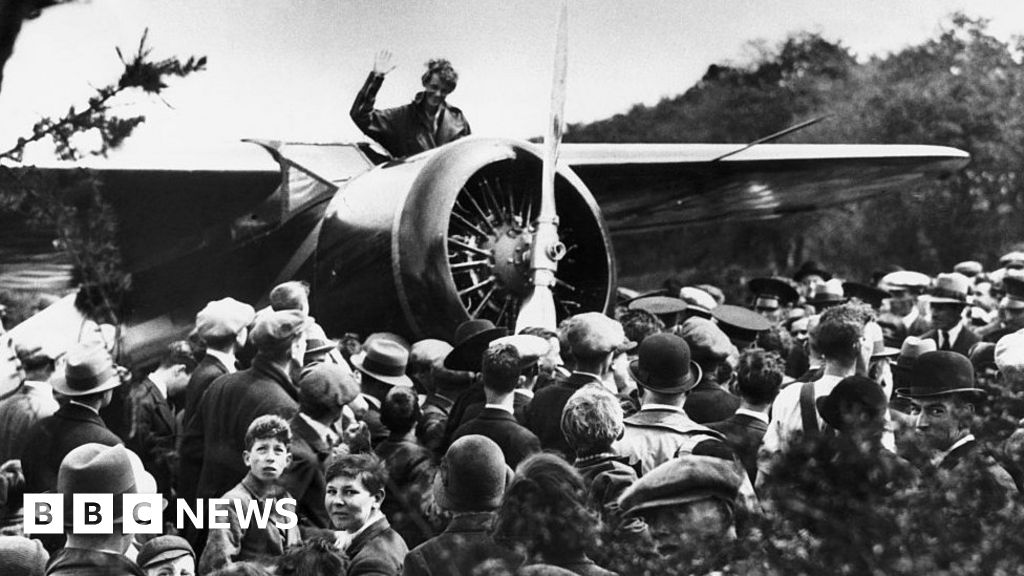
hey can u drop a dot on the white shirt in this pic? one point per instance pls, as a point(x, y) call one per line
point(909, 319)
point(951, 334)
point(940, 457)
point(326, 434)
point(508, 409)
point(228, 360)
point(763, 417)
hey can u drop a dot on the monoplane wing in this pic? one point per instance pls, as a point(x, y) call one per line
point(646, 187)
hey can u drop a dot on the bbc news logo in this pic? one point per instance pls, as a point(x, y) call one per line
point(141, 513)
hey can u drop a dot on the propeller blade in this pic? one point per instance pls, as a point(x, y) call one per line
point(538, 307)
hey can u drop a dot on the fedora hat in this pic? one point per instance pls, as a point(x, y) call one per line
point(868, 294)
point(385, 360)
point(852, 391)
point(950, 289)
point(89, 369)
point(471, 339)
point(472, 475)
point(663, 365)
point(96, 469)
point(939, 374)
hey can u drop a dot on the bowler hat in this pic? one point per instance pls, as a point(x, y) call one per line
point(385, 360)
point(162, 549)
point(89, 369)
point(529, 348)
point(870, 295)
point(775, 288)
point(941, 373)
point(663, 365)
point(96, 469)
point(471, 339)
point(472, 475)
point(949, 289)
point(681, 480)
point(851, 391)
point(224, 317)
point(277, 329)
point(811, 268)
point(740, 324)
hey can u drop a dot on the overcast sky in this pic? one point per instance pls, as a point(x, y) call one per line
point(288, 69)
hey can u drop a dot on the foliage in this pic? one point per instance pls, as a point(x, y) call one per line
point(963, 88)
point(72, 203)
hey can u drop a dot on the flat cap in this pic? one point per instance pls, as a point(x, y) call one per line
point(698, 300)
point(969, 268)
point(592, 334)
point(162, 549)
point(706, 340)
point(278, 328)
point(224, 317)
point(327, 384)
point(680, 480)
point(1009, 353)
point(530, 348)
point(1014, 259)
point(905, 279)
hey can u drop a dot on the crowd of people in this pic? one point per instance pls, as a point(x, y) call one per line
point(666, 431)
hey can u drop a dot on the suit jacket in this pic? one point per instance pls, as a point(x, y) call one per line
point(465, 544)
point(231, 403)
point(709, 402)
point(515, 440)
point(743, 433)
point(378, 550)
point(190, 463)
point(544, 414)
point(964, 340)
point(50, 439)
point(152, 430)
point(966, 460)
point(304, 479)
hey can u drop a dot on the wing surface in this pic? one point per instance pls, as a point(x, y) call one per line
point(645, 187)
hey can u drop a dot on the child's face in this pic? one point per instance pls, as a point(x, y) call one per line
point(180, 566)
point(267, 459)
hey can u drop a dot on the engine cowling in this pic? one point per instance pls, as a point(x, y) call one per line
point(420, 245)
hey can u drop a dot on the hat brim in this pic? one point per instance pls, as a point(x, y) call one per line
point(680, 499)
point(675, 386)
point(60, 385)
point(929, 393)
point(821, 301)
point(944, 300)
point(466, 356)
point(401, 380)
point(887, 352)
point(167, 555)
point(322, 348)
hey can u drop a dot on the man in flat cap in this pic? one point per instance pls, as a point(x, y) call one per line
point(501, 367)
point(839, 338)
point(906, 286)
point(234, 400)
point(661, 430)
point(711, 349)
point(947, 299)
point(593, 341)
point(945, 399)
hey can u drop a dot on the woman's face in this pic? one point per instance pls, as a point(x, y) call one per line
point(180, 566)
point(349, 503)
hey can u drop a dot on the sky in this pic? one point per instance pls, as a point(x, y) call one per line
point(288, 69)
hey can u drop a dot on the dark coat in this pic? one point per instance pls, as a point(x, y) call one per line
point(544, 414)
point(709, 402)
point(743, 433)
point(410, 476)
point(378, 550)
point(515, 441)
point(152, 431)
point(405, 130)
point(304, 479)
point(231, 403)
point(465, 408)
point(82, 562)
point(190, 463)
point(49, 440)
point(964, 340)
point(606, 476)
point(465, 544)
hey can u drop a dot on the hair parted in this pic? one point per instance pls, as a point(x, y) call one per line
point(365, 467)
point(268, 426)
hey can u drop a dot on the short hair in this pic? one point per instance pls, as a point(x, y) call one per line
point(268, 426)
point(759, 375)
point(775, 339)
point(316, 556)
point(639, 324)
point(292, 295)
point(365, 467)
point(400, 410)
point(499, 368)
point(539, 332)
point(839, 332)
point(443, 68)
point(592, 420)
point(179, 352)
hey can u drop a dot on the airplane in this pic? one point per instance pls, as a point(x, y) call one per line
point(418, 245)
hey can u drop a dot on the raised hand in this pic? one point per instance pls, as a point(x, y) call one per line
point(382, 63)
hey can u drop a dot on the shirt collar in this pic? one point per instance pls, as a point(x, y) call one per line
point(756, 415)
point(159, 383)
point(954, 333)
point(524, 392)
point(86, 406)
point(940, 457)
point(228, 360)
point(373, 519)
point(322, 430)
point(508, 409)
point(648, 407)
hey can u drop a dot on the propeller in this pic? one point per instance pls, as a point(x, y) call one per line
point(538, 307)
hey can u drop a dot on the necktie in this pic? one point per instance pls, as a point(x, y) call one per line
point(945, 340)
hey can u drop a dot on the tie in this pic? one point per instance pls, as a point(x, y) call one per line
point(945, 340)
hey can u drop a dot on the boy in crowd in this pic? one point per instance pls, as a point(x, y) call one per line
point(267, 454)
